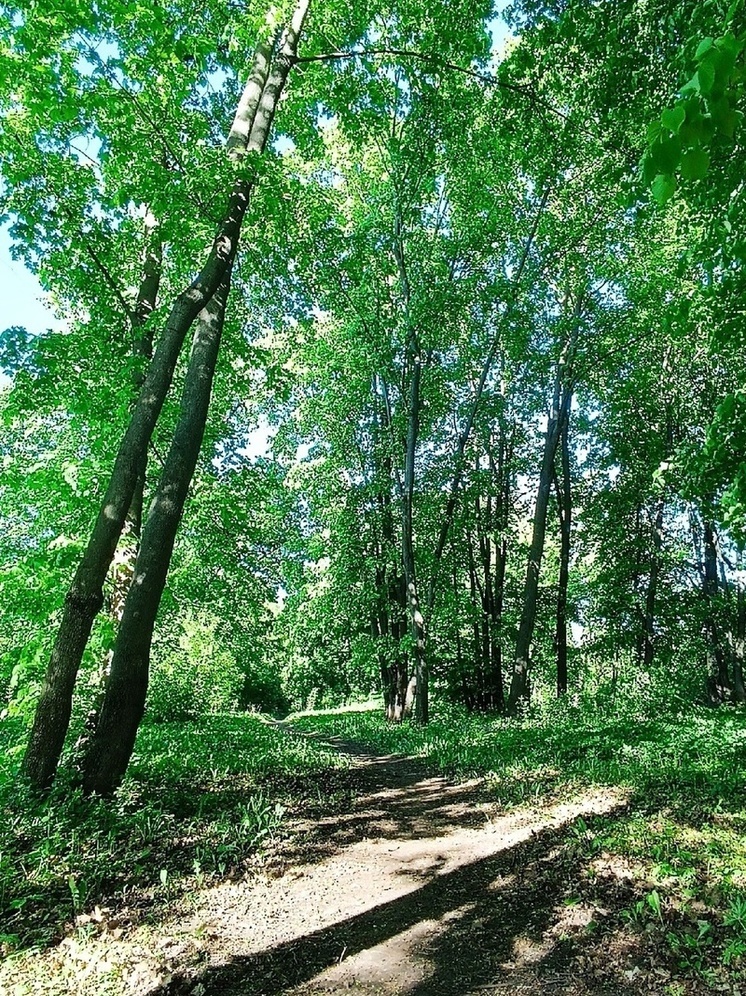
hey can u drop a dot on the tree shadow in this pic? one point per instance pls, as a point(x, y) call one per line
point(454, 934)
point(394, 799)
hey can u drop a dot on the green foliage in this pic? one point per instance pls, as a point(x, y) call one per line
point(198, 676)
point(202, 800)
point(708, 109)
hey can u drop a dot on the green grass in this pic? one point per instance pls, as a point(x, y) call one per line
point(203, 798)
point(683, 833)
point(200, 802)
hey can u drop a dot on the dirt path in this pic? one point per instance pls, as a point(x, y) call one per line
point(421, 888)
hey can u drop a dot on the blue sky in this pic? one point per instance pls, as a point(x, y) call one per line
point(22, 297)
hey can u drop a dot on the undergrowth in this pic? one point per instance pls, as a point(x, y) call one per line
point(200, 802)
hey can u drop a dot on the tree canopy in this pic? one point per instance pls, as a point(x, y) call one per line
point(472, 305)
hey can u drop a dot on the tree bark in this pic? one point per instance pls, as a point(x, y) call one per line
point(108, 753)
point(501, 472)
point(419, 682)
point(719, 683)
point(739, 689)
point(390, 585)
point(519, 680)
point(477, 627)
point(84, 599)
point(564, 503)
point(122, 568)
point(652, 589)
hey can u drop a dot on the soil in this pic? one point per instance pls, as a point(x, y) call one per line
point(421, 887)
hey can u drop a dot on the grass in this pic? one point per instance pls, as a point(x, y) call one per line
point(682, 838)
point(200, 802)
point(203, 799)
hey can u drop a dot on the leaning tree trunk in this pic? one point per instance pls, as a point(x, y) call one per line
point(519, 681)
point(84, 599)
point(122, 568)
point(110, 748)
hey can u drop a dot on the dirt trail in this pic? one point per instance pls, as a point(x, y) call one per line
point(421, 888)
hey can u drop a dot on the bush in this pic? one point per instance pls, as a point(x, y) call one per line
point(199, 675)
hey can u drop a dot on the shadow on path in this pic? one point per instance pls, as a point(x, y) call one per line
point(458, 933)
point(396, 797)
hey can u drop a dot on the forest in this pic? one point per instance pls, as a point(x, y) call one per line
point(382, 467)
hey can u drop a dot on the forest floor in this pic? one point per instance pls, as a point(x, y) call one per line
point(413, 883)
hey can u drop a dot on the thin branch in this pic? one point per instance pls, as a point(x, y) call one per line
point(466, 431)
point(105, 273)
point(488, 78)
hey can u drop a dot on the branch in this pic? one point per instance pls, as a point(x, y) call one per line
point(466, 432)
point(109, 279)
point(487, 78)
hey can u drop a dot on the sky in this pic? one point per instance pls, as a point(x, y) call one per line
point(23, 300)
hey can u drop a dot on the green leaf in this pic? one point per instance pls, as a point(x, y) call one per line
point(695, 164)
point(724, 118)
point(732, 10)
point(705, 77)
point(704, 46)
point(673, 118)
point(649, 170)
point(726, 409)
point(654, 130)
point(664, 187)
point(666, 154)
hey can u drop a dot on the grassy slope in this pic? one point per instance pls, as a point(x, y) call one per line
point(199, 801)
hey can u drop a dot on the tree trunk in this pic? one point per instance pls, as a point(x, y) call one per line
point(419, 681)
point(501, 472)
point(478, 666)
point(564, 503)
point(394, 672)
point(496, 678)
point(85, 598)
point(122, 568)
point(718, 678)
point(390, 590)
point(519, 681)
point(739, 690)
point(142, 352)
point(652, 589)
point(110, 748)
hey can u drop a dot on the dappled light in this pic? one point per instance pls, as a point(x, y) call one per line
point(373, 498)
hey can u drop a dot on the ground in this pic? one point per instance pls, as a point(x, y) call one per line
point(419, 885)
